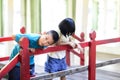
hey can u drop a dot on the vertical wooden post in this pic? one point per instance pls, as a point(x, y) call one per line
point(68, 57)
point(92, 57)
point(24, 60)
point(23, 30)
point(82, 58)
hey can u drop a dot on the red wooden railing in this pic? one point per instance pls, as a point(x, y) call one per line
point(23, 57)
point(79, 54)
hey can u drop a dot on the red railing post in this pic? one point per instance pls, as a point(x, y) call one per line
point(82, 59)
point(24, 60)
point(23, 30)
point(92, 57)
point(68, 57)
point(80, 54)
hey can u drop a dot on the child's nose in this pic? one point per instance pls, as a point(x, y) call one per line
point(45, 42)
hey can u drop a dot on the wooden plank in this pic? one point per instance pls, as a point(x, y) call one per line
point(73, 70)
point(60, 73)
point(108, 62)
point(81, 72)
point(100, 75)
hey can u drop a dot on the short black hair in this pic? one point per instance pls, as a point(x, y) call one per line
point(67, 26)
point(54, 34)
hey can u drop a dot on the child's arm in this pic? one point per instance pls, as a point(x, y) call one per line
point(67, 40)
point(13, 37)
point(72, 43)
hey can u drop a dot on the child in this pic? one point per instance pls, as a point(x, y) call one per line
point(35, 41)
point(56, 60)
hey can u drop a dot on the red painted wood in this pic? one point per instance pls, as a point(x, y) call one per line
point(23, 30)
point(4, 58)
point(82, 59)
point(13, 62)
point(82, 36)
point(68, 57)
point(3, 39)
point(92, 57)
point(58, 48)
point(92, 61)
point(99, 42)
point(81, 39)
point(80, 55)
point(75, 52)
point(9, 66)
point(51, 49)
point(24, 59)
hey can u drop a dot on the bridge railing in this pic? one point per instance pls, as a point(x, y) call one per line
point(23, 58)
point(92, 65)
point(4, 39)
point(92, 57)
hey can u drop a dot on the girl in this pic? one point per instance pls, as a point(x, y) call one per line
point(56, 60)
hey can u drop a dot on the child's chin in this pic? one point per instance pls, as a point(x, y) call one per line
point(41, 44)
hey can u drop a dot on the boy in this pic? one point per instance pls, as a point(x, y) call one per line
point(35, 41)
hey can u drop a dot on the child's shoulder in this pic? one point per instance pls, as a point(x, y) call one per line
point(63, 39)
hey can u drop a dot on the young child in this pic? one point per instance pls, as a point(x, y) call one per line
point(56, 60)
point(35, 41)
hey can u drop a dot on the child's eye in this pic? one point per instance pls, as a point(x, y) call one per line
point(46, 38)
point(70, 34)
point(48, 43)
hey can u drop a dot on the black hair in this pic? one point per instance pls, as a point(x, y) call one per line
point(67, 26)
point(54, 34)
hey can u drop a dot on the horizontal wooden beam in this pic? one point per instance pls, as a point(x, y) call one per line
point(3, 39)
point(73, 70)
point(60, 73)
point(109, 62)
point(4, 58)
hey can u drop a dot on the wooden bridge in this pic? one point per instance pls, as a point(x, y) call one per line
point(89, 70)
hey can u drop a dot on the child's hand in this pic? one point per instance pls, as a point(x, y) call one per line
point(32, 50)
point(73, 44)
point(80, 48)
point(13, 37)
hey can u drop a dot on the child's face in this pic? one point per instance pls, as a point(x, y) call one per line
point(46, 40)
